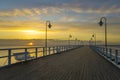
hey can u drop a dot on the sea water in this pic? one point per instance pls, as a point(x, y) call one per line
point(36, 43)
point(12, 44)
point(4, 60)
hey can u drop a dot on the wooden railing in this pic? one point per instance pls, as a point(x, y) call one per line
point(10, 56)
point(111, 53)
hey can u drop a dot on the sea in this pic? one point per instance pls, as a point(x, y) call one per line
point(5, 45)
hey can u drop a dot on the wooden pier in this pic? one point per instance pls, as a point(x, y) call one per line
point(78, 64)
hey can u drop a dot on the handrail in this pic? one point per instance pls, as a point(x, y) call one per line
point(111, 53)
point(37, 52)
point(20, 48)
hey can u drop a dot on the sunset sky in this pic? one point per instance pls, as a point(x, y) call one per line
point(25, 19)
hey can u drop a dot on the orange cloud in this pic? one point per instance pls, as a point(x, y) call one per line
point(20, 12)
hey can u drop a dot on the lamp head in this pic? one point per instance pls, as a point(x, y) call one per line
point(100, 23)
point(49, 25)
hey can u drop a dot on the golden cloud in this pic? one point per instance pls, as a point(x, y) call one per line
point(20, 12)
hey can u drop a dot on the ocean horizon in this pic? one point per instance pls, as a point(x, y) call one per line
point(17, 43)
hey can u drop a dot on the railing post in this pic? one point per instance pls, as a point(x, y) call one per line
point(58, 49)
point(43, 51)
point(9, 57)
point(107, 52)
point(36, 52)
point(46, 49)
point(101, 50)
point(116, 56)
point(110, 54)
point(104, 51)
point(25, 54)
point(70, 47)
point(67, 48)
point(53, 50)
point(63, 48)
point(49, 50)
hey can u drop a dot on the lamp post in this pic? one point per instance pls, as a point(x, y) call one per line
point(48, 25)
point(101, 23)
point(94, 36)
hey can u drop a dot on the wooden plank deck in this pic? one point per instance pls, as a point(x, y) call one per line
point(78, 64)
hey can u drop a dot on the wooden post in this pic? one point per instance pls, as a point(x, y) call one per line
point(43, 51)
point(107, 52)
point(25, 54)
point(53, 50)
point(9, 57)
point(104, 51)
point(58, 49)
point(49, 50)
point(116, 56)
point(62, 48)
point(110, 54)
point(36, 52)
point(46, 51)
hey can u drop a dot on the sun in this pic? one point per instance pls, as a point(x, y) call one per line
point(30, 44)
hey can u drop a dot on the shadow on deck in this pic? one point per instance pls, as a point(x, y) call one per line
point(78, 64)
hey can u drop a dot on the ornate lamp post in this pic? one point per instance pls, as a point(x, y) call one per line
point(101, 23)
point(48, 25)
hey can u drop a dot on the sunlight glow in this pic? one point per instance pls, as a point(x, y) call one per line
point(30, 44)
point(30, 31)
